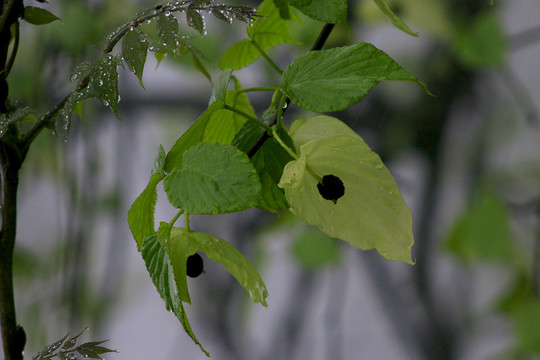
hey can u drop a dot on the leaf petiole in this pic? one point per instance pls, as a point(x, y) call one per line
point(171, 223)
point(249, 117)
point(283, 145)
point(266, 57)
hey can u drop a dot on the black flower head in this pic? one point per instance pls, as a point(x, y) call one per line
point(194, 265)
point(331, 188)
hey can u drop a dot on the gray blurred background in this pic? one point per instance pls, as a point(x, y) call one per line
point(77, 265)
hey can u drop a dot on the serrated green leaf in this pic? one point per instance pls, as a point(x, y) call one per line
point(216, 124)
point(159, 162)
point(38, 16)
point(103, 83)
point(195, 20)
point(334, 79)
point(220, 88)
point(141, 213)
point(483, 231)
point(222, 252)
point(214, 179)
point(179, 249)
point(268, 31)
point(313, 249)
point(384, 6)
point(161, 272)
point(371, 213)
point(328, 11)
point(167, 29)
point(134, 50)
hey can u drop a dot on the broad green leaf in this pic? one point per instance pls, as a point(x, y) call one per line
point(222, 252)
point(267, 31)
point(38, 16)
point(216, 124)
point(134, 50)
point(384, 6)
point(179, 249)
point(167, 29)
point(161, 272)
point(332, 80)
point(483, 231)
point(481, 43)
point(214, 179)
point(371, 213)
point(195, 20)
point(141, 213)
point(328, 11)
point(313, 249)
point(220, 88)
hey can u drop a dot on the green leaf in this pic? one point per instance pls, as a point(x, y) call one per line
point(220, 88)
point(62, 123)
point(313, 249)
point(268, 31)
point(371, 213)
point(481, 43)
point(284, 11)
point(216, 124)
point(19, 114)
point(161, 272)
point(483, 231)
point(38, 16)
point(159, 162)
point(134, 50)
point(332, 80)
point(328, 11)
point(222, 252)
point(195, 20)
point(179, 249)
point(167, 29)
point(526, 318)
point(214, 179)
point(103, 82)
point(141, 213)
point(384, 6)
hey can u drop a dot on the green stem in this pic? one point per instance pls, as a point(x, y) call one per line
point(266, 57)
point(175, 218)
point(249, 117)
point(260, 88)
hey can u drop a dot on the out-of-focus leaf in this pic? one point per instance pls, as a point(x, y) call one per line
point(384, 6)
point(328, 11)
point(195, 20)
point(483, 231)
point(313, 249)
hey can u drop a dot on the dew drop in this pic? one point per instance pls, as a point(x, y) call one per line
point(100, 82)
point(148, 21)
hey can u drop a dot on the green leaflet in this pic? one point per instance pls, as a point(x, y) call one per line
point(103, 83)
point(216, 124)
point(141, 213)
point(161, 272)
point(38, 16)
point(134, 50)
point(384, 6)
point(195, 20)
point(167, 29)
point(220, 87)
point(220, 251)
point(483, 231)
point(213, 179)
point(328, 11)
point(372, 212)
point(267, 31)
point(333, 80)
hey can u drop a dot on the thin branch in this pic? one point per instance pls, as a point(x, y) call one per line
point(4, 73)
point(5, 13)
point(266, 57)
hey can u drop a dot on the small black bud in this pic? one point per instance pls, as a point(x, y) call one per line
point(331, 188)
point(194, 265)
